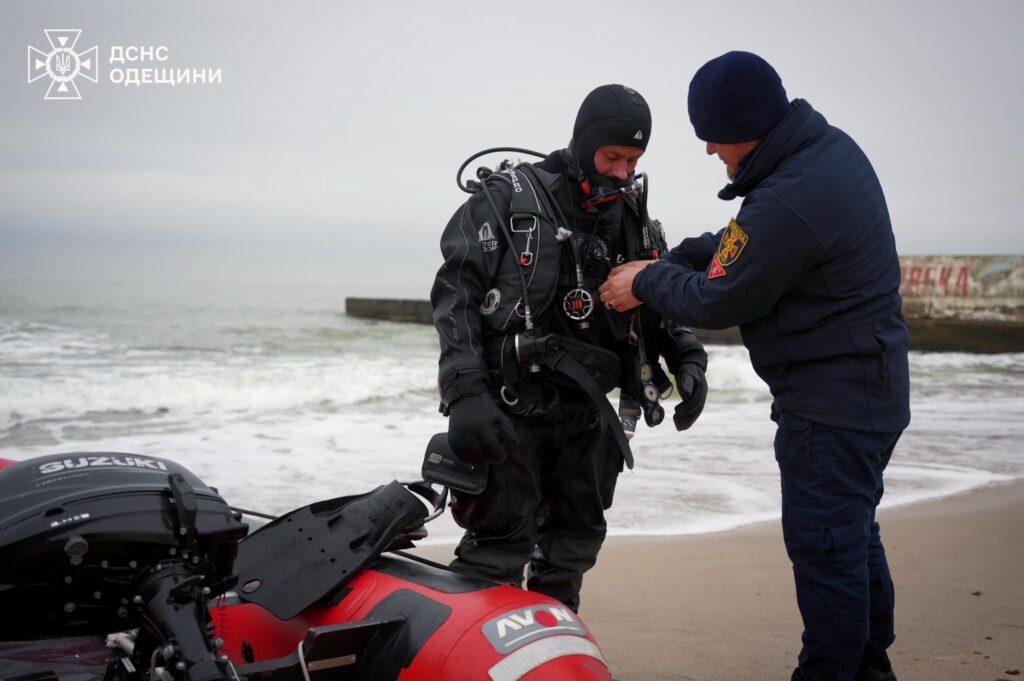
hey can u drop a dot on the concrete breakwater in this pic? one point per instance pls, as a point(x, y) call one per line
point(952, 303)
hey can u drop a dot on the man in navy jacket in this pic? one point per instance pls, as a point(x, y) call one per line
point(808, 270)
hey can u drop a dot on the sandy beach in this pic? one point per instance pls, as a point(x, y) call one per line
point(722, 607)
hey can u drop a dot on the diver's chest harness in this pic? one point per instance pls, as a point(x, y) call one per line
point(536, 233)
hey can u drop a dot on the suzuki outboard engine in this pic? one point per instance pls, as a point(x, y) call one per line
point(94, 543)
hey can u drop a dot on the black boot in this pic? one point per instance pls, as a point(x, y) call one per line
point(871, 669)
point(875, 668)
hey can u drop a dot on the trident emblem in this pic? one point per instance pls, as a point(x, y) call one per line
point(62, 63)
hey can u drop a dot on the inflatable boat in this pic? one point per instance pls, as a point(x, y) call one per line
point(128, 568)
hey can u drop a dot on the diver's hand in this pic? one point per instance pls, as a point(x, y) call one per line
point(693, 390)
point(478, 431)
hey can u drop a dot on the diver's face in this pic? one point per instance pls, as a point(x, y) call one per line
point(617, 161)
point(731, 154)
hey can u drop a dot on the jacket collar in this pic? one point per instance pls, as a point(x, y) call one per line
point(798, 128)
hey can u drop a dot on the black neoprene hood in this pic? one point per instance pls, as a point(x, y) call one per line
point(610, 115)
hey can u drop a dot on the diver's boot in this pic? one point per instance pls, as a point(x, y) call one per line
point(875, 668)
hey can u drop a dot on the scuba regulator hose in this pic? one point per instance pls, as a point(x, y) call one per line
point(472, 187)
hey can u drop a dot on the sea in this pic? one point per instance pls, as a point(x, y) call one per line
point(276, 397)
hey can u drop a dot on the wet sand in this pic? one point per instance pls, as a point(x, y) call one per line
point(723, 606)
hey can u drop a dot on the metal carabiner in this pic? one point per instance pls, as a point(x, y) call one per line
point(526, 256)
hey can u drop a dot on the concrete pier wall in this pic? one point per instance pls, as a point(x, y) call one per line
point(390, 309)
point(983, 287)
point(952, 303)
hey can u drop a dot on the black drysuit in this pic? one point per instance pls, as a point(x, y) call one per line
point(545, 503)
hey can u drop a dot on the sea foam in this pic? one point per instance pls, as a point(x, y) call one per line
point(280, 406)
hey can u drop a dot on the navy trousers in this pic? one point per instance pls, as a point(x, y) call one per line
point(831, 486)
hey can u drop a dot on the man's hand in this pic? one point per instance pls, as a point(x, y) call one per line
point(617, 291)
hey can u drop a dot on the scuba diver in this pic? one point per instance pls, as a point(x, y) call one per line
point(528, 355)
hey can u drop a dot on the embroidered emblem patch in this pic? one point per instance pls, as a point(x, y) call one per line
point(733, 241)
point(715, 270)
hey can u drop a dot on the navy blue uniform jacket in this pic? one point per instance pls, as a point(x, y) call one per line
point(808, 270)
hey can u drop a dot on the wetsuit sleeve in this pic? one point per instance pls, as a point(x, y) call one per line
point(694, 252)
point(469, 268)
point(770, 249)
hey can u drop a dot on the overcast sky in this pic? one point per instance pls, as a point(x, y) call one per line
point(329, 150)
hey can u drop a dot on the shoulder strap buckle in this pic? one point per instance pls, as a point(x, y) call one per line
point(526, 256)
point(518, 217)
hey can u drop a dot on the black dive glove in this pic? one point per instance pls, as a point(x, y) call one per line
point(478, 431)
point(693, 391)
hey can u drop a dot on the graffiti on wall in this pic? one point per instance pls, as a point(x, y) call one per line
point(917, 281)
point(978, 287)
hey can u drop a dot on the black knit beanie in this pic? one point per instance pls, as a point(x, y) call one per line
point(737, 97)
point(610, 115)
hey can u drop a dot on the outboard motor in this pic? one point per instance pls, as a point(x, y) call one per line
point(93, 543)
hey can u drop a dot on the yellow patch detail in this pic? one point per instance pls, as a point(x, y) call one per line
point(732, 244)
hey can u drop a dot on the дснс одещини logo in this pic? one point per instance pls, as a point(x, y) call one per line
point(62, 63)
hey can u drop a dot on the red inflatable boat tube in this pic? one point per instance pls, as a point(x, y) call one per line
point(461, 630)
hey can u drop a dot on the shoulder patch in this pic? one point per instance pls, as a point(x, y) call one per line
point(734, 240)
point(715, 270)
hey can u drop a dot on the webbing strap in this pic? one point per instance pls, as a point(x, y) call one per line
point(567, 366)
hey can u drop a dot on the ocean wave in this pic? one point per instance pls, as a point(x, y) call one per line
point(729, 368)
point(282, 406)
point(718, 475)
point(183, 389)
point(61, 343)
